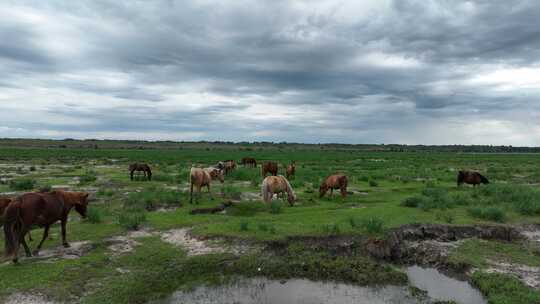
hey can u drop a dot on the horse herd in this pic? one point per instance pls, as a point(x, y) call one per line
point(45, 208)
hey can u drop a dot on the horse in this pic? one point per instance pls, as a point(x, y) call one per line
point(249, 162)
point(43, 209)
point(291, 169)
point(277, 184)
point(229, 166)
point(471, 177)
point(203, 177)
point(335, 181)
point(269, 167)
point(4, 203)
point(140, 167)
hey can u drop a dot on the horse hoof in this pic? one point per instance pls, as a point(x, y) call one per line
point(66, 245)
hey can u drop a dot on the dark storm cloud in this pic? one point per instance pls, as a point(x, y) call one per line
point(329, 67)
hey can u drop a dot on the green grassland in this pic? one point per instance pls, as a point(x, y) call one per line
point(388, 189)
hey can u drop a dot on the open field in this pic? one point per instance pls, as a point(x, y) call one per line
point(141, 243)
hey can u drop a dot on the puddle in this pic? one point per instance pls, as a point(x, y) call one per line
point(264, 291)
point(441, 287)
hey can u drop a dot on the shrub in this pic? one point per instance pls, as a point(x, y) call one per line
point(373, 183)
point(93, 215)
point(353, 222)
point(32, 168)
point(373, 225)
point(490, 213)
point(88, 177)
point(131, 220)
point(413, 201)
point(21, 184)
point(244, 226)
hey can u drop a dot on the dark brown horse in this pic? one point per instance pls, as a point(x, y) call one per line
point(335, 181)
point(269, 167)
point(471, 177)
point(291, 169)
point(229, 166)
point(249, 162)
point(43, 209)
point(140, 167)
point(4, 203)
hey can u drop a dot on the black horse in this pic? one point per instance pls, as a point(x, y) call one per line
point(471, 177)
point(140, 167)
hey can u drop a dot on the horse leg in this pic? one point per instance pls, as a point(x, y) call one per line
point(211, 196)
point(191, 193)
point(45, 236)
point(30, 235)
point(64, 242)
point(23, 242)
point(199, 194)
point(331, 193)
point(131, 174)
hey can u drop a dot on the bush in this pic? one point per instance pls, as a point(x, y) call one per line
point(413, 201)
point(490, 213)
point(21, 184)
point(33, 168)
point(93, 215)
point(131, 220)
point(373, 183)
point(89, 176)
point(244, 226)
point(373, 225)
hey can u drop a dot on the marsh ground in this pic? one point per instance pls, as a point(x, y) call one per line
point(167, 252)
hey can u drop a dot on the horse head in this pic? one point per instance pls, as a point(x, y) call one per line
point(323, 188)
point(80, 202)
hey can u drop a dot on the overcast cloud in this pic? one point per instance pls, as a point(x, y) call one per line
point(414, 72)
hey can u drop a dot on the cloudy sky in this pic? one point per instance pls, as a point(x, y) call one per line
point(413, 72)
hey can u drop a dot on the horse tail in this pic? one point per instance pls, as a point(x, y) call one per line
point(265, 190)
point(12, 228)
point(483, 179)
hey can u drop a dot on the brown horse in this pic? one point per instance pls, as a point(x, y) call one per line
point(201, 177)
point(277, 184)
point(269, 167)
point(229, 166)
point(4, 203)
point(249, 162)
point(471, 177)
point(43, 209)
point(335, 181)
point(140, 167)
point(291, 169)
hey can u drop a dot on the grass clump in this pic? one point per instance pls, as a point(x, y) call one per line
point(275, 207)
point(244, 226)
point(89, 176)
point(491, 213)
point(94, 216)
point(373, 183)
point(21, 184)
point(373, 225)
point(131, 220)
point(502, 289)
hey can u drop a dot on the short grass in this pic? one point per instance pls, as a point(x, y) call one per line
point(388, 190)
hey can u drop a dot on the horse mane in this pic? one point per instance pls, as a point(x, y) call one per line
point(290, 190)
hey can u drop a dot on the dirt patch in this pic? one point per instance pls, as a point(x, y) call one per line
point(183, 238)
point(23, 298)
point(75, 251)
point(529, 275)
point(250, 196)
point(121, 244)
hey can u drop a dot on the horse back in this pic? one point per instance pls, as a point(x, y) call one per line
point(41, 208)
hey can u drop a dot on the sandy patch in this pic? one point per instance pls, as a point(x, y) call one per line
point(22, 298)
point(529, 275)
point(182, 238)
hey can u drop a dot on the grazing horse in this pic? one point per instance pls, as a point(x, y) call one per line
point(4, 203)
point(249, 162)
point(269, 167)
point(291, 169)
point(201, 177)
point(140, 167)
point(335, 181)
point(229, 166)
point(277, 184)
point(471, 177)
point(43, 209)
